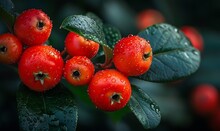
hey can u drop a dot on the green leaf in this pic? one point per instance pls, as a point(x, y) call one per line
point(53, 110)
point(95, 18)
point(173, 55)
point(144, 108)
point(112, 35)
point(7, 14)
point(84, 26)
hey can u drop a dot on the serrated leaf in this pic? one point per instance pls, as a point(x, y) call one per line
point(53, 110)
point(112, 35)
point(7, 13)
point(144, 108)
point(174, 57)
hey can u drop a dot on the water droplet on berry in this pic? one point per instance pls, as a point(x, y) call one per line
point(113, 80)
point(130, 35)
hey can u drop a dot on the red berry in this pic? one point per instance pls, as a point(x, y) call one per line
point(10, 49)
point(40, 67)
point(148, 18)
point(132, 56)
point(205, 99)
point(33, 27)
point(79, 70)
point(109, 90)
point(77, 45)
point(194, 36)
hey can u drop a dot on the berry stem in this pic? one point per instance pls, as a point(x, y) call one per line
point(63, 52)
point(108, 58)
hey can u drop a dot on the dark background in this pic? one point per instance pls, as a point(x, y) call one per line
point(173, 99)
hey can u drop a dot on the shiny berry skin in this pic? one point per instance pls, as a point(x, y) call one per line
point(205, 99)
point(40, 67)
point(79, 70)
point(132, 56)
point(33, 27)
point(148, 18)
point(10, 48)
point(77, 45)
point(194, 36)
point(109, 90)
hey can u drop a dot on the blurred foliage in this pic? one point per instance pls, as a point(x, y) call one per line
point(172, 97)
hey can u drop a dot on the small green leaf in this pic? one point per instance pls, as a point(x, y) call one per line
point(112, 35)
point(53, 110)
point(144, 108)
point(7, 14)
point(173, 54)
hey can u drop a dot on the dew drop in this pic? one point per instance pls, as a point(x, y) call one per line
point(176, 30)
point(157, 110)
point(186, 55)
point(130, 35)
point(152, 107)
point(195, 52)
point(113, 80)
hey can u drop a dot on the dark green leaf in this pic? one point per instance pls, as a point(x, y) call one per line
point(7, 13)
point(112, 35)
point(173, 55)
point(144, 108)
point(53, 110)
point(95, 18)
point(85, 26)
point(7, 5)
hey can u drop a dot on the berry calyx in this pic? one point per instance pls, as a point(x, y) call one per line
point(109, 90)
point(33, 27)
point(40, 76)
point(40, 67)
point(3, 49)
point(79, 70)
point(132, 55)
point(10, 48)
point(77, 45)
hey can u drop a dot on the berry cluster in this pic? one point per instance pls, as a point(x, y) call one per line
point(41, 67)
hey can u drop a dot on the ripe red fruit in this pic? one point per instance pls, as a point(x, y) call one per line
point(148, 18)
point(79, 70)
point(205, 99)
point(77, 45)
point(132, 55)
point(194, 36)
point(10, 49)
point(40, 67)
point(33, 27)
point(109, 90)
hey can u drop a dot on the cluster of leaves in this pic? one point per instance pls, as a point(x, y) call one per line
point(173, 58)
